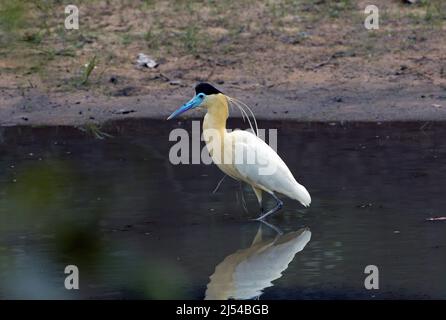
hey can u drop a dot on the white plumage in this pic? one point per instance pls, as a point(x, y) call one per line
point(268, 173)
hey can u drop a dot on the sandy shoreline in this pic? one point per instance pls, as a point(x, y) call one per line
point(370, 104)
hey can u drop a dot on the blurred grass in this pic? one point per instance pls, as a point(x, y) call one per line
point(12, 15)
point(163, 280)
point(58, 209)
point(36, 189)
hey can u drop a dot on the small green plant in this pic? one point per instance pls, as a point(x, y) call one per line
point(89, 67)
point(148, 3)
point(152, 39)
point(94, 130)
point(33, 37)
point(337, 7)
point(435, 12)
point(12, 15)
point(66, 52)
point(190, 39)
point(127, 39)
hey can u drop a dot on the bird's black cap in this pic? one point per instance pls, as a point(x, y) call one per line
point(206, 88)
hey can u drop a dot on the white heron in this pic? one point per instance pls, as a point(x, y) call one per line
point(242, 155)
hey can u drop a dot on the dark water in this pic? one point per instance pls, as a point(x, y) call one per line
point(137, 226)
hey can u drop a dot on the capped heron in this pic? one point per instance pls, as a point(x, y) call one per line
point(232, 151)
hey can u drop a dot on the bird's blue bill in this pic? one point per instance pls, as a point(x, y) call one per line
point(193, 103)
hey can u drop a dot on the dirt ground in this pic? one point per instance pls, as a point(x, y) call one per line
point(289, 59)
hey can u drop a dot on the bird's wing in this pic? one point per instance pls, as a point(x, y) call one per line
point(259, 165)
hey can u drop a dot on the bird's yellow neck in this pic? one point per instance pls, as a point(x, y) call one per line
point(217, 113)
point(214, 127)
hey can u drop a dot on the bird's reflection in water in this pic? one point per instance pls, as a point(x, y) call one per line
point(247, 272)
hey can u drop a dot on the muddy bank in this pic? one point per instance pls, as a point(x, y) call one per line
point(315, 104)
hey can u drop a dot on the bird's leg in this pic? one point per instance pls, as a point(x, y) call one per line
point(219, 184)
point(245, 207)
point(276, 229)
point(278, 206)
point(258, 193)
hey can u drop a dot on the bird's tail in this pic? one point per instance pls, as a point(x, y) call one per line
point(300, 194)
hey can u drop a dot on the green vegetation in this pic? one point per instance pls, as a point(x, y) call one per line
point(435, 11)
point(190, 39)
point(90, 66)
point(34, 42)
point(94, 130)
point(12, 15)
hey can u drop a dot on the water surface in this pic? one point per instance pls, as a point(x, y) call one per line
point(139, 227)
